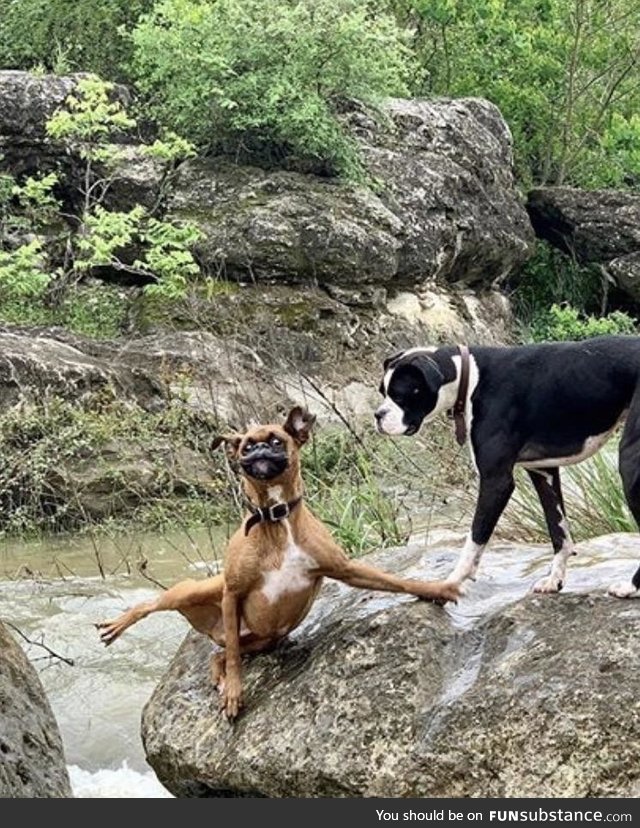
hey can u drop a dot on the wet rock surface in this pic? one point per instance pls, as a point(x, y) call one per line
point(507, 694)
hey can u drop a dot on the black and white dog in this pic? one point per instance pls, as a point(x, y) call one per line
point(540, 406)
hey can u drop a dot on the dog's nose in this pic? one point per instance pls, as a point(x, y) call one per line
point(379, 414)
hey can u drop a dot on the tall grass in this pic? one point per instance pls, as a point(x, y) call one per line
point(373, 492)
point(594, 501)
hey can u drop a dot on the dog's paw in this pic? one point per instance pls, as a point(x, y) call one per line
point(548, 585)
point(624, 589)
point(109, 631)
point(231, 698)
point(445, 591)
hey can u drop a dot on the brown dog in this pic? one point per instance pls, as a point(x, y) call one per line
point(274, 564)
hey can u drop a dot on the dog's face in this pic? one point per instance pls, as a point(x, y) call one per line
point(410, 386)
point(266, 452)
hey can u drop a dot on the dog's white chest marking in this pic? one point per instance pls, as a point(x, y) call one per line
point(291, 576)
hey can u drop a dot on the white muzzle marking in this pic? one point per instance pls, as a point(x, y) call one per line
point(390, 418)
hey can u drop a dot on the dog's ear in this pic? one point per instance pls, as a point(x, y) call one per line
point(389, 361)
point(231, 444)
point(429, 369)
point(299, 423)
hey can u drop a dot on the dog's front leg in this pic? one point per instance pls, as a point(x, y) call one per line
point(333, 563)
point(232, 692)
point(495, 491)
point(363, 576)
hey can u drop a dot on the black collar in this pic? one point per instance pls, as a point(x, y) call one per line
point(461, 400)
point(269, 514)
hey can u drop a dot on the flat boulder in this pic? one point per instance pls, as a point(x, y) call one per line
point(598, 227)
point(507, 694)
point(39, 364)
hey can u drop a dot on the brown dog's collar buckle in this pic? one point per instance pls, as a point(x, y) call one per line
point(279, 511)
point(269, 514)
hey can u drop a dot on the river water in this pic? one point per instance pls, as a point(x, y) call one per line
point(53, 592)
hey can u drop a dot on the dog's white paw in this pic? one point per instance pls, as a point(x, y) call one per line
point(548, 585)
point(624, 589)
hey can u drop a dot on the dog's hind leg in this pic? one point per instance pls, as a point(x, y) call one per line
point(629, 465)
point(198, 601)
point(547, 485)
point(248, 644)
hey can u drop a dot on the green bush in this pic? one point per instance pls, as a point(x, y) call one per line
point(268, 76)
point(68, 35)
point(562, 323)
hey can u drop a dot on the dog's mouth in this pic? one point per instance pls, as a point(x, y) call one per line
point(264, 468)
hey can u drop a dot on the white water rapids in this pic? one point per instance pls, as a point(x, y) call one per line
point(51, 590)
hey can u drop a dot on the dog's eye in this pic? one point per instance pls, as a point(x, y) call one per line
point(275, 442)
point(248, 447)
point(415, 391)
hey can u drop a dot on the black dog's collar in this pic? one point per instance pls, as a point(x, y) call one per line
point(269, 514)
point(457, 412)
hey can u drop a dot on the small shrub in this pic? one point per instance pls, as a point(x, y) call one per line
point(562, 323)
point(551, 277)
point(21, 272)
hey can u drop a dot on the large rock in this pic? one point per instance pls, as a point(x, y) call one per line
point(444, 207)
point(36, 365)
point(509, 694)
point(592, 225)
point(600, 227)
point(32, 760)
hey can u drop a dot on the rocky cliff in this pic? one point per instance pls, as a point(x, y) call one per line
point(416, 253)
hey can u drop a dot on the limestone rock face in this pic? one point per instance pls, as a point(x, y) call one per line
point(437, 227)
point(31, 755)
point(508, 694)
point(27, 101)
point(444, 206)
point(39, 364)
point(600, 227)
point(592, 225)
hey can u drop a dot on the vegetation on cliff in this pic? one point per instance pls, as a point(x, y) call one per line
point(268, 75)
point(271, 83)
